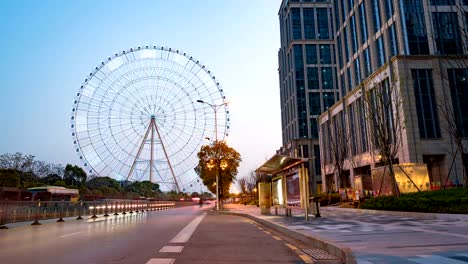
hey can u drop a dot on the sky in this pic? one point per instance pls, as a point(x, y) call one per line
point(48, 47)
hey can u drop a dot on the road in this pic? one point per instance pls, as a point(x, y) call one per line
point(380, 238)
point(180, 235)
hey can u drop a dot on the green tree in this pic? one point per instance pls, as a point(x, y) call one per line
point(9, 178)
point(74, 175)
point(98, 182)
point(51, 179)
point(219, 160)
point(143, 188)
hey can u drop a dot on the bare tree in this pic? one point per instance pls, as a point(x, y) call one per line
point(382, 105)
point(242, 184)
point(339, 148)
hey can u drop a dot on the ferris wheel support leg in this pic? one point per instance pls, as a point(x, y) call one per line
point(165, 154)
point(139, 150)
point(152, 151)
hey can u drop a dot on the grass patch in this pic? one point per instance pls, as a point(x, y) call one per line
point(451, 201)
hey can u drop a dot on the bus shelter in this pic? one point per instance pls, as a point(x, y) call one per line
point(289, 185)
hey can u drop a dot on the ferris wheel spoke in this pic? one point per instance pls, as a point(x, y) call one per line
point(136, 116)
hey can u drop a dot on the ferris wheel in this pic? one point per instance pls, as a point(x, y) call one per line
point(144, 113)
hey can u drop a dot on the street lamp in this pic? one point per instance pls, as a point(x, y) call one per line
point(222, 165)
point(215, 108)
point(210, 164)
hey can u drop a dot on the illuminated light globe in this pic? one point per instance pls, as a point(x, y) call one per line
point(136, 117)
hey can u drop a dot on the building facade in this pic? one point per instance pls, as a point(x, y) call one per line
point(307, 76)
point(417, 50)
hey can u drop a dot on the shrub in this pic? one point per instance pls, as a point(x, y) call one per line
point(442, 201)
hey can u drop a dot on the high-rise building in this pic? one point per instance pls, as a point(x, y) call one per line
point(419, 48)
point(308, 80)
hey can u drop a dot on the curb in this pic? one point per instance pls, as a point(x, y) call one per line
point(428, 216)
point(344, 253)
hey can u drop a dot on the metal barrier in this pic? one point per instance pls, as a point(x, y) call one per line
point(20, 211)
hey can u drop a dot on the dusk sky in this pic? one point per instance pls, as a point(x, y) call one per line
point(48, 48)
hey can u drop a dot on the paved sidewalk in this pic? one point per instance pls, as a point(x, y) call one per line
point(379, 238)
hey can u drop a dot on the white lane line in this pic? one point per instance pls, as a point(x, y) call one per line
point(171, 249)
point(161, 261)
point(72, 234)
point(187, 232)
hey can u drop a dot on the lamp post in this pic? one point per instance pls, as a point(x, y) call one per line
point(215, 108)
point(221, 165)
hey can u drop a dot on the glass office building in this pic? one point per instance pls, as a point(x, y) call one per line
point(308, 77)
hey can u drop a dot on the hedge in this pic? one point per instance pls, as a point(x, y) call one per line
point(452, 201)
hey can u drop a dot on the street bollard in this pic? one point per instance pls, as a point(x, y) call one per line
point(61, 213)
point(124, 207)
point(36, 215)
point(106, 209)
point(131, 208)
point(80, 211)
point(116, 209)
point(94, 211)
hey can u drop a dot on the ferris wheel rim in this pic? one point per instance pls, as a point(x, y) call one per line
point(75, 134)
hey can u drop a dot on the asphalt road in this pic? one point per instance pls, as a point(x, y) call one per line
point(180, 235)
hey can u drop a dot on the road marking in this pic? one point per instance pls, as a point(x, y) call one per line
point(187, 232)
point(161, 261)
point(277, 238)
point(72, 234)
point(291, 246)
point(171, 249)
point(306, 258)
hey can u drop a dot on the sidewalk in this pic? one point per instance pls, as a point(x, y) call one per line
point(374, 238)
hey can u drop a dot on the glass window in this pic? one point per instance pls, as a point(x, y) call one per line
point(314, 128)
point(393, 41)
point(363, 23)
point(426, 106)
point(322, 18)
point(447, 36)
point(309, 25)
point(318, 170)
point(325, 54)
point(311, 54)
point(342, 9)
point(388, 9)
point(315, 107)
point(296, 23)
point(352, 129)
point(362, 125)
point(376, 15)
point(415, 27)
point(357, 71)
point(345, 37)
point(354, 33)
point(327, 78)
point(442, 2)
point(340, 52)
point(367, 63)
point(380, 51)
point(312, 78)
point(350, 80)
point(328, 100)
point(458, 79)
point(337, 14)
point(350, 5)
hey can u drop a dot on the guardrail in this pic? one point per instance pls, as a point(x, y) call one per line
point(19, 211)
